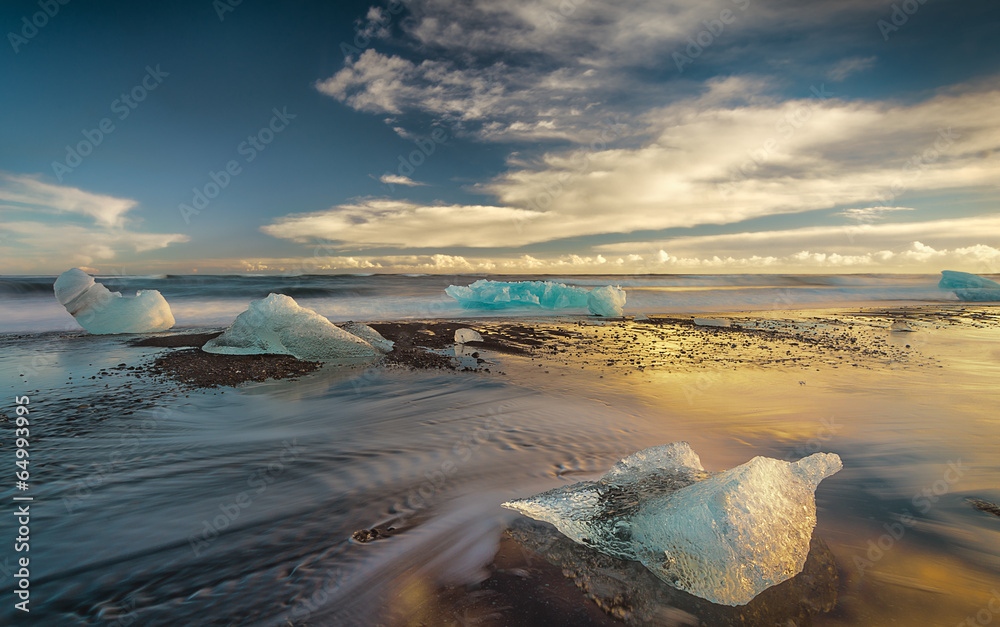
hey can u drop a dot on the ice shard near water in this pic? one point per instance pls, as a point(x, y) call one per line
point(487, 294)
point(102, 312)
point(969, 287)
point(724, 537)
point(278, 325)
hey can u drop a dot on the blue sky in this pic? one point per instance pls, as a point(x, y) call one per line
point(524, 136)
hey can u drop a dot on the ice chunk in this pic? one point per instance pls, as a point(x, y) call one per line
point(102, 312)
point(487, 294)
point(712, 322)
point(970, 287)
point(278, 325)
point(607, 301)
point(723, 537)
point(951, 280)
point(467, 335)
point(641, 317)
point(901, 326)
point(369, 335)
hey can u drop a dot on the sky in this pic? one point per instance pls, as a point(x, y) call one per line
point(524, 136)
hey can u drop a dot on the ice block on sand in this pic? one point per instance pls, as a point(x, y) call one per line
point(101, 311)
point(969, 287)
point(278, 325)
point(486, 294)
point(724, 537)
point(467, 335)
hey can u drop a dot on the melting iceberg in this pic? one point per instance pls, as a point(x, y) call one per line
point(724, 537)
point(101, 311)
point(278, 325)
point(969, 287)
point(485, 294)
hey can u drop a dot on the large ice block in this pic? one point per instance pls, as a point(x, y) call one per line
point(487, 294)
point(102, 312)
point(969, 287)
point(724, 537)
point(278, 325)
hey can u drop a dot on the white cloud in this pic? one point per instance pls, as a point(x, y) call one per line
point(35, 195)
point(398, 179)
point(51, 227)
point(870, 214)
point(849, 66)
point(725, 157)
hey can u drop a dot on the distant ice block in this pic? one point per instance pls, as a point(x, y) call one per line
point(970, 287)
point(102, 312)
point(641, 317)
point(278, 325)
point(712, 322)
point(724, 537)
point(607, 301)
point(467, 335)
point(900, 326)
point(487, 294)
point(369, 335)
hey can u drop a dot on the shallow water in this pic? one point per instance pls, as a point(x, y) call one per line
point(237, 506)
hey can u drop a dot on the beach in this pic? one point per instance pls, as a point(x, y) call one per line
point(368, 492)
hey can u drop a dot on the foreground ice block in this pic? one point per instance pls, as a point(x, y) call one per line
point(278, 325)
point(487, 294)
point(969, 287)
point(101, 311)
point(724, 537)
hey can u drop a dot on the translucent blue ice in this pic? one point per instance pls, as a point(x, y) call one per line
point(969, 287)
point(485, 294)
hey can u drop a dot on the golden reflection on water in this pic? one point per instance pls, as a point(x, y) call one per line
point(902, 423)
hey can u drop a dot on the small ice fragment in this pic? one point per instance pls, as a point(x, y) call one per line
point(369, 335)
point(102, 312)
point(712, 322)
point(467, 335)
point(901, 325)
point(724, 537)
point(607, 301)
point(640, 317)
point(278, 325)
